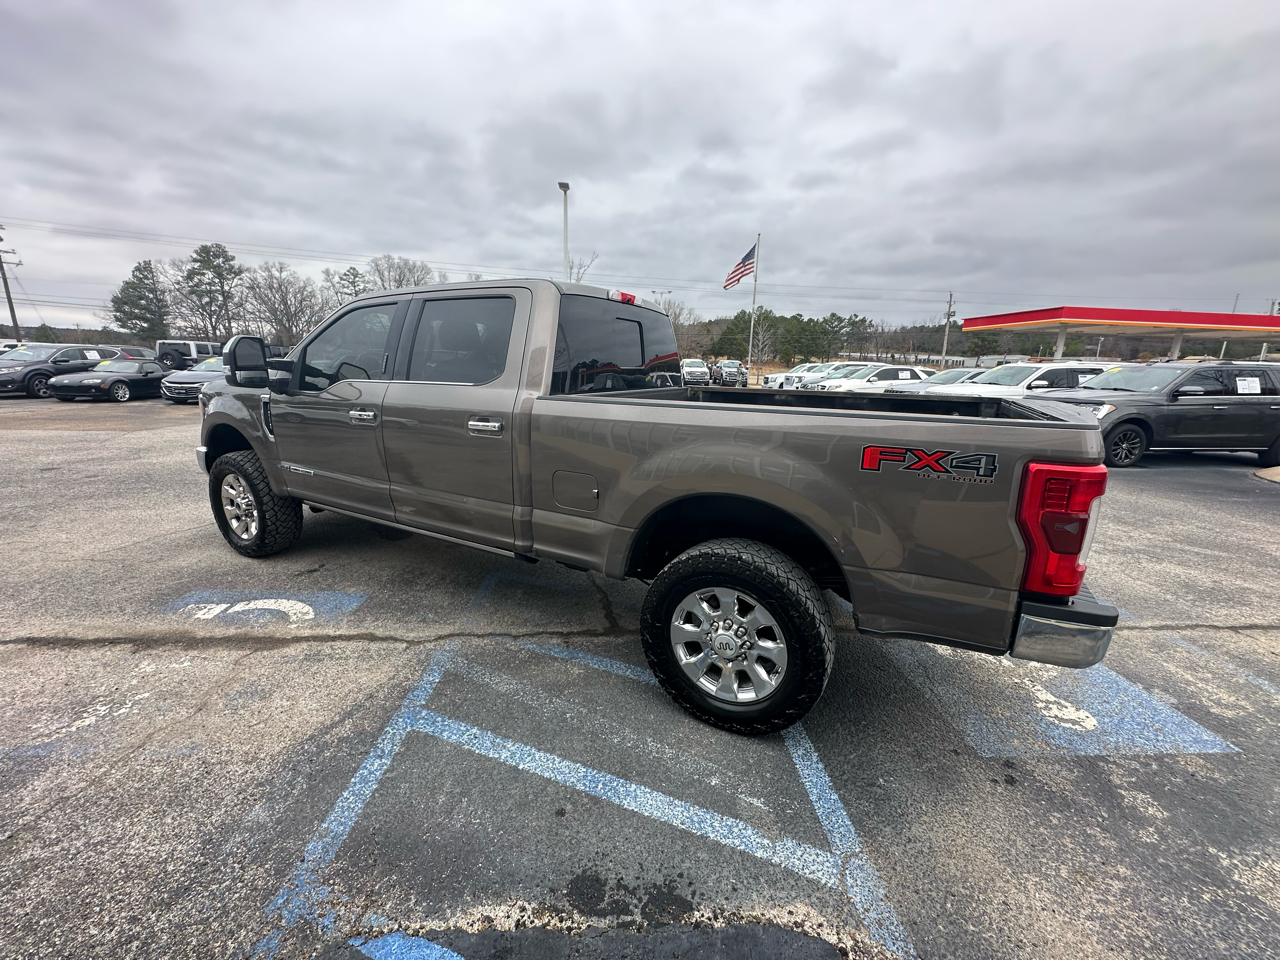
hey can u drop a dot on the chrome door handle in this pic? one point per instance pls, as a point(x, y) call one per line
point(1220, 406)
point(362, 416)
point(485, 426)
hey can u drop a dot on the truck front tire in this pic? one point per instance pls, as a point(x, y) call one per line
point(255, 521)
point(739, 635)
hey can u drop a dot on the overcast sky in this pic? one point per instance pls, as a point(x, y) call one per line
point(1023, 154)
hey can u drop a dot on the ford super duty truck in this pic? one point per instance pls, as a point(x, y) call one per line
point(536, 420)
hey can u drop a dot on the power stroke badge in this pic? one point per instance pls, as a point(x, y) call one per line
point(951, 464)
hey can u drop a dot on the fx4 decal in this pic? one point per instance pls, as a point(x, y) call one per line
point(980, 467)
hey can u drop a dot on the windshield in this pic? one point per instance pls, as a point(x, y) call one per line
point(1135, 378)
point(212, 366)
point(118, 366)
point(28, 353)
point(951, 376)
point(861, 374)
point(693, 363)
point(1007, 376)
point(730, 363)
point(820, 368)
point(845, 371)
point(800, 368)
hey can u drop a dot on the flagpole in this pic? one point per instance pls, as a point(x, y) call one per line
point(751, 340)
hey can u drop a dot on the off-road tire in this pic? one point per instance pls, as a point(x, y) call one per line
point(170, 359)
point(38, 386)
point(279, 518)
point(790, 595)
point(1271, 456)
point(1124, 445)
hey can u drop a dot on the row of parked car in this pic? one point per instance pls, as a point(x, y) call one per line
point(68, 371)
point(1161, 405)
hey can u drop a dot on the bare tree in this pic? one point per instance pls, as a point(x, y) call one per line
point(280, 303)
point(389, 272)
point(473, 277)
point(693, 337)
point(768, 336)
point(578, 268)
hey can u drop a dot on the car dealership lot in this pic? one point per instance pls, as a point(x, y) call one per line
point(377, 737)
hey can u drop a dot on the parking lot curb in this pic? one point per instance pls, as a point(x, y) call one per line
point(1269, 473)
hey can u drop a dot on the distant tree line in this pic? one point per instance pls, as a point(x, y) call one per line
point(209, 296)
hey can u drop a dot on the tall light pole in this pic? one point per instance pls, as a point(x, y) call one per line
point(946, 330)
point(564, 188)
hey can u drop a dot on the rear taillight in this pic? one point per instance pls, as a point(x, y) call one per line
point(1055, 513)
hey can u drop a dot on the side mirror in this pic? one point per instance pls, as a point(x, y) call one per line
point(280, 373)
point(61, 359)
point(245, 362)
point(1038, 385)
point(1189, 391)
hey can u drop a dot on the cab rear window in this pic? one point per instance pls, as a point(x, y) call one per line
point(606, 345)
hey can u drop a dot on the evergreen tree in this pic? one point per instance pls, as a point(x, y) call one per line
point(207, 292)
point(140, 305)
point(44, 334)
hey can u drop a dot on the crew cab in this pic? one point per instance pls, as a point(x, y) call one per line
point(526, 418)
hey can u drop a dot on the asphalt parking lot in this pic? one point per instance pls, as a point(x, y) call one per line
point(380, 745)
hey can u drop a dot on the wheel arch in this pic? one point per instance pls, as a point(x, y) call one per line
point(223, 438)
point(684, 522)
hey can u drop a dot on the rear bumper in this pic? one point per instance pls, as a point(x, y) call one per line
point(1075, 634)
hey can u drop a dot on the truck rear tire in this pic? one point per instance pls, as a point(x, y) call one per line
point(255, 521)
point(739, 635)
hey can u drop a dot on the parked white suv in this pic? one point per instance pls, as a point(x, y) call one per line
point(1017, 379)
point(875, 379)
point(181, 354)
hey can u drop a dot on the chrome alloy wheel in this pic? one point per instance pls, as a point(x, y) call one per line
point(728, 644)
point(120, 392)
point(238, 506)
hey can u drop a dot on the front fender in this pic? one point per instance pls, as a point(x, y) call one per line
point(232, 418)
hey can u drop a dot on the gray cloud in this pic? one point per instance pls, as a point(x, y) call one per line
point(921, 147)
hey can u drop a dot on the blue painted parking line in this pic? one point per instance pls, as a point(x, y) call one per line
point(628, 670)
point(845, 867)
point(1224, 664)
point(257, 608)
point(861, 879)
point(401, 946)
point(820, 865)
point(1005, 708)
point(303, 896)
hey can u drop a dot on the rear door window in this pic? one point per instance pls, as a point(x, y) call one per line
point(462, 341)
point(1255, 382)
point(607, 345)
point(1059, 378)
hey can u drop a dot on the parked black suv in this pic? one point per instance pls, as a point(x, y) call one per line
point(1219, 405)
point(29, 368)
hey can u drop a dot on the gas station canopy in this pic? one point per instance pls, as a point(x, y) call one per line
point(1119, 322)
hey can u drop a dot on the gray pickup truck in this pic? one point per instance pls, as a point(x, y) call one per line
point(535, 419)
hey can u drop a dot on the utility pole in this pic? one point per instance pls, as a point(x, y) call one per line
point(564, 188)
point(8, 295)
point(946, 329)
point(751, 338)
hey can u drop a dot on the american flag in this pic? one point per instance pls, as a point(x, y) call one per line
point(744, 268)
